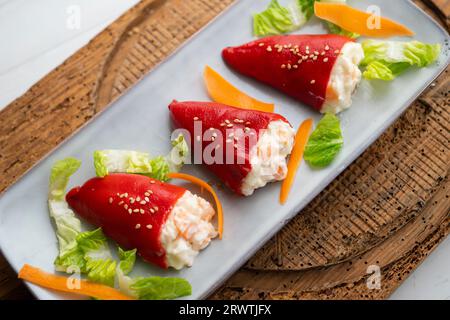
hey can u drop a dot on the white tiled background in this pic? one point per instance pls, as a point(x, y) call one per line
point(37, 35)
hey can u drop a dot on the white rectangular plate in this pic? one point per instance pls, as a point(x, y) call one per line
point(140, 121)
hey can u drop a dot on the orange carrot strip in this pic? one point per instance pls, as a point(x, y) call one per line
point(220, 90)
point(301, 138)
point(357, 21)
point(203, 185)
point(60, 283)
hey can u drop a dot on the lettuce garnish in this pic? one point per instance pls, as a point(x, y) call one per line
point(125, 161)
point(150, 288)
point(385, 60)
point(325, 142)
point(68, 226)
point(100, 265)
point(277, 19)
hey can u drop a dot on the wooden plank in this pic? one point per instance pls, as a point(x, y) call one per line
point(393, 199)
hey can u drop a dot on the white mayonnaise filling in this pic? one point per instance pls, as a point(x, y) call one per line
point(345, 76)
point(268, 156)
point(187, 230)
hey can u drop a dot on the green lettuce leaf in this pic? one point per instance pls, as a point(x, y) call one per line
point(126, 161)
point(150, 288)
point(111, 161)
point(277, 19)
point(325, 142)
point(159, 288)
point(127, 260)
point(67, 225)
point(385, 60)
point(100, 265)
point(59, 177)
point(178, 156)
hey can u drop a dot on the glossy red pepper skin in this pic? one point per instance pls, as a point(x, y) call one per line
point(285, 68)
point(105, 202)
point(222, 118)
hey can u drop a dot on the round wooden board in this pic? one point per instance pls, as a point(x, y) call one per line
point(389, 209)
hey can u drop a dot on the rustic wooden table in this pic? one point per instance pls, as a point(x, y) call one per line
point(390, 208)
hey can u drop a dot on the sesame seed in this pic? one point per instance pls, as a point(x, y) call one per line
point(152, 181)
point(327, 47)
point(130, 211)
point(227, 121)
point(120, 203)
point(223, 124)
point(138, 226)
point(211, 129)
point(146, 193)
point(316, 53)
point(230, 125)
point(131, 200)
point(315, 58)
point(280, 49)
point(231, 134)
point(156, 208)
point(289, 66)
point(150, 191)
point(283, 66)
point(261, 44)
point(126, 195)
point(138, 198)
point(322, 53)
point(143, 202)
point(142, 211)
point(307, 51)
point(313, 81)
point(269, 48)
point(299, 61)
point(312, 56)
point(136, 210)
point(325, 60)
point(248, 123)
point(149, 226)
point(147, 199)
point(336, 51)
point(195, 118)
point(152, 210)
point(307, 47)
point(247, 129)
point(295, 66)
point(125, 206)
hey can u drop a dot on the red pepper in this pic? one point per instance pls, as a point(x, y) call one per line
point(227, 122)
point(298, 65)
point(116, 204)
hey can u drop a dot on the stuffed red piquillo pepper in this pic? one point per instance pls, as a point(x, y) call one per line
point(248, 147)
point(167, 224)
point(318, 70)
